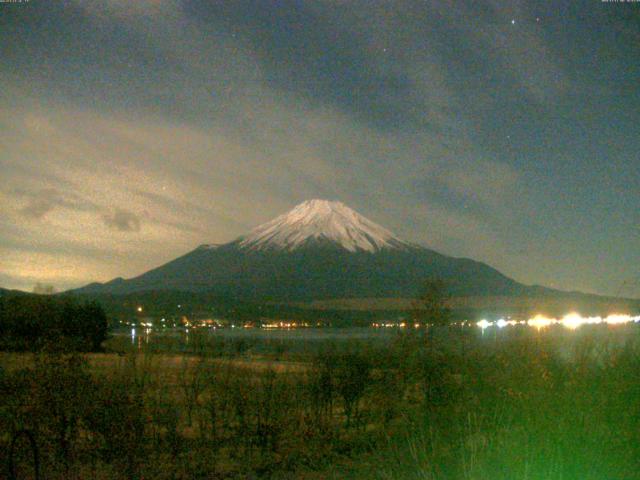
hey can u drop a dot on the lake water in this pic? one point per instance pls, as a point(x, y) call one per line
point(305, 340)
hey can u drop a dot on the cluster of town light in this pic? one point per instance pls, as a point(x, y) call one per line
point(285, 325)
point(394, 325)
point(570, 321)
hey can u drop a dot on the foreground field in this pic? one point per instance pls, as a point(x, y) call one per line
point(413, 406)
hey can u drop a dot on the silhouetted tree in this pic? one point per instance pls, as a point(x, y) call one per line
point(430, 307)
point(94, 325)
point(352, 378)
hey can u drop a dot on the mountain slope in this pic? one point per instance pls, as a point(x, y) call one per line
point(318, 250)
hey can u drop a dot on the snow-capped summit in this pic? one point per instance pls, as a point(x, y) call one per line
point(321, 220)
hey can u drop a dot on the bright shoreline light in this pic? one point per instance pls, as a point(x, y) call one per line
point(571, 321)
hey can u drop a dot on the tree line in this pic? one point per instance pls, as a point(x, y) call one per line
point(29, 322)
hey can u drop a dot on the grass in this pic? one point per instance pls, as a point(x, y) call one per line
point(552, 406)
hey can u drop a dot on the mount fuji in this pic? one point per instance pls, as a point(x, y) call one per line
point(319, 250)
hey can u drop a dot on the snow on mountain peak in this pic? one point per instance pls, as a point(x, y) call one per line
point(321, 220)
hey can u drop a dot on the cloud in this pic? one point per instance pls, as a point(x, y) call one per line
point(122, 220)
point(43, 201)
point(483, 182)
point(38, 207)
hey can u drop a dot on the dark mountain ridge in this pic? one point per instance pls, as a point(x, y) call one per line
point(319, 250)
point(315, 271)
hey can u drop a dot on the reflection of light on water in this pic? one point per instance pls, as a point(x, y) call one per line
point(539, 322)
point(146, 333)
point(615, 319)
point(484, 324)
point(570, 321)
point(502, 323)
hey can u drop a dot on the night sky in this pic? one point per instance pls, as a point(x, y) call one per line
point(132, 131)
